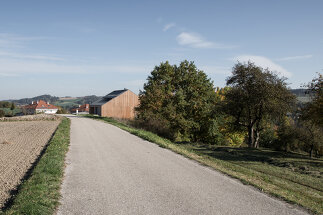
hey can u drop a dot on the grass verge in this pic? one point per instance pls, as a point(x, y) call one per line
point(292, 177)
point(40, 193)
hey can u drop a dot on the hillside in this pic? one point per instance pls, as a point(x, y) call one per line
point(25, 101)
point(70, 102)
point(301, 95)
point(65, 102)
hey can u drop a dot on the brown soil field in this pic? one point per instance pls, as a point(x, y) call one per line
point(21, 142)
point(30, 118)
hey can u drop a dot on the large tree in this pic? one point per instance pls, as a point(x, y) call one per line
point(179, 98)
point(311, 119)
point(256, 96)
point(314, 110)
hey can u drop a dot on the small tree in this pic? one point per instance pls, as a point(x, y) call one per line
point(13, 106)
point(256, 95)
point(61, 110)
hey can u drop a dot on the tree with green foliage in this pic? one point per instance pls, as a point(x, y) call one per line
point(311, 119)
point(13, 106)
point(5, 104)
point(314, 110)
point(61, 110)
point(180, 100)
point(256, 96)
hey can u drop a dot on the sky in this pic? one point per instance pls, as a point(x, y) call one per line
point(78, 48)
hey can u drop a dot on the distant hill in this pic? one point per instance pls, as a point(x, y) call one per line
point(71, 102)
point(65, 102)
point(24, 101)
point(301, 95)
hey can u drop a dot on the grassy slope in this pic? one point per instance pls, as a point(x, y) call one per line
point(292, 177)
point(40, 193)
point(68, 103)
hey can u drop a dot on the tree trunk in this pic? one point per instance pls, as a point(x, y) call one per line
point(311, 151)
point(250, 137)
point(256, 143)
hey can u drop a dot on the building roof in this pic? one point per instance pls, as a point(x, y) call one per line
point(109, 97)
point(41, 104)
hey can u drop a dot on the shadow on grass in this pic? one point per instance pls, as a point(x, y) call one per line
point(277, 158)
point(295, 162)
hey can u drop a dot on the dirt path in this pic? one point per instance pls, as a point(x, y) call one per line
point(110, 171)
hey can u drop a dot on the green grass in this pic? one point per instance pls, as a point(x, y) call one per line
point(67, 103)
point(292, 177)
point(40, 193)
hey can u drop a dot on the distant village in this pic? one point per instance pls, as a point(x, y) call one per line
point(118, 104)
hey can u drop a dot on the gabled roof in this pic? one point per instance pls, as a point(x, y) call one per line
point(108, 97)
point(41, 104)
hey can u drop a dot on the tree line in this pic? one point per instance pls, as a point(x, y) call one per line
point(256, 108)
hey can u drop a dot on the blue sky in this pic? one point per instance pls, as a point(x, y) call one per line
point(77, 48)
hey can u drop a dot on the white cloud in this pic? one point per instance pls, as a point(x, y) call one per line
point(264, 63)
point(193, 40)
point(32, 57)
point(300, 57)
point(15, 41)
point(168, 26)
point(196, 41)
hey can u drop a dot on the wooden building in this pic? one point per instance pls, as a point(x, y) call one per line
point(117, 104)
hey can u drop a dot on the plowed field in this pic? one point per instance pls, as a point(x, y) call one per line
point(20, 144)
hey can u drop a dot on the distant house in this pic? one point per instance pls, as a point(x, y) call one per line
point(117, 104)
point(40, 106)
point(81, 109)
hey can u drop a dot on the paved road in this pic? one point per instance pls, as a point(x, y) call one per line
point(110, 171)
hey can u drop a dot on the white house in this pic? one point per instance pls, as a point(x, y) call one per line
point(40, 107)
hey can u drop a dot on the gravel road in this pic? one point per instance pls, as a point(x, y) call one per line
point(110, 171)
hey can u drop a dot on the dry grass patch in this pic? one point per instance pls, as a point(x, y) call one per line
point(37, 117)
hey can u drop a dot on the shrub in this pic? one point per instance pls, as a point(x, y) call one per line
point(268, 138)
point(287, 139)
point(61, 111)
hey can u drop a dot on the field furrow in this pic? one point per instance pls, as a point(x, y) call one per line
point(20, 144)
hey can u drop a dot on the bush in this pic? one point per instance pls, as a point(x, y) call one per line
point(268, 138)
point(61, 111)
point(287, 139)
point(9, 114)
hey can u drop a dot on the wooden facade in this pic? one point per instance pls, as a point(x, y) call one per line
point(121, 106)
